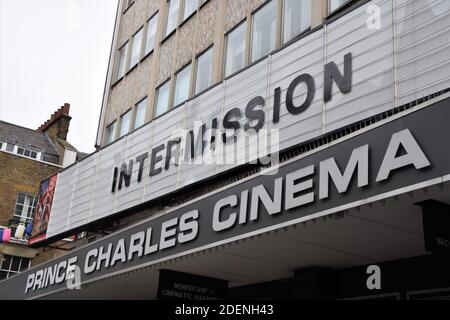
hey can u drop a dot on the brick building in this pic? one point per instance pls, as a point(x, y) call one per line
point(27, 157)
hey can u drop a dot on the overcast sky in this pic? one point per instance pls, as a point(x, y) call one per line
point(52, 52)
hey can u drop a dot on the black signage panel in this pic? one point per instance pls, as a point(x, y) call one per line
point(178, 286)
point(420, 274)
point(436, 226)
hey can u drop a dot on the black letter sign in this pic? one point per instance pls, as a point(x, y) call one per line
point(309, 81)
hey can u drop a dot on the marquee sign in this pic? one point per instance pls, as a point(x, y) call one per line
point(333, 77)
point(161, 156)
point(380, 162)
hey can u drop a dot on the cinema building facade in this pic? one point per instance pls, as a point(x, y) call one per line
point(335, 117)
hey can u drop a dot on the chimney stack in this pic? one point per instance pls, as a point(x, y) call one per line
point(57, 127)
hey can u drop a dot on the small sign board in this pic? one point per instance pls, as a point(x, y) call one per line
point(188, 287)
point(436, 222)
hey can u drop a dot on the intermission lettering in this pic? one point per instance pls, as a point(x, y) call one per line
point(194, 142)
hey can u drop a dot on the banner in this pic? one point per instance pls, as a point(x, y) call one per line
point(43, 209)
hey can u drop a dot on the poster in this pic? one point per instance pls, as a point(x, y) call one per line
point(43, 209)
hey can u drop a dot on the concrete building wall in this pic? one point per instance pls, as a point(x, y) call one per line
point(170, 54)
point(198, 32)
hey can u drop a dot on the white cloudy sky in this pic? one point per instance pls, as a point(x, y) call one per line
point(52, 52)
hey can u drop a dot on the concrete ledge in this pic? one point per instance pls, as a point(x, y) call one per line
point(18, 251)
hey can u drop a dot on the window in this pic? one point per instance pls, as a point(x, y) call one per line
point(136, 50)
point(11, 265)
point(235, 55)
point(297, 18)
point(139, 119)
point(172, 15)
point(204, 71)
point(111, 132)
point(190, 6)
point(9, 147)
point(20, 151)
point(27, 153)
point(264, 31)
point(182, 85)
point(121, 62)
point(336, 4)
point(25, 205)
point(162, 99)
point(125, 121)
point(151, 34)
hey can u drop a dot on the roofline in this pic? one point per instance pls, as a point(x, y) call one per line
point(53, 145)
point(55, 153)
point(18, 126)
point(35, 160)
point(106, 89)
point(66, 145)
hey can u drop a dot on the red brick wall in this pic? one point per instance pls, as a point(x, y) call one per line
point(18, 174)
